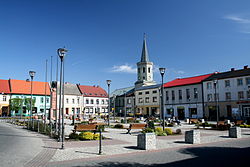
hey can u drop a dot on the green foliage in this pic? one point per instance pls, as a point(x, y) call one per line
point(242, 126)
point(85, 122)
point(122, 121)
point(100, 127)
point(118, 126)
point(137, 121)
point(130, 114)
point(74, 136)
point(27, 103)
point(245, 126)
point(168, 131)
point(148, 130)
point(86, 136)
point(16, 104)
point(130, 120)
point(159, 132)
point(159, 129)
point(151, 125)
point(96, 136)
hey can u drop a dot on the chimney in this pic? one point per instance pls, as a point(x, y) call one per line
point(245, 67)
point(232, 69)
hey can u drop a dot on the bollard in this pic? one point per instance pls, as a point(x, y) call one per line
point(100, 141)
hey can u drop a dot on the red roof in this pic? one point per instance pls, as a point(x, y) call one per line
point(24, 87)
point(92, 91)
point(4, 86)
point(186, 81)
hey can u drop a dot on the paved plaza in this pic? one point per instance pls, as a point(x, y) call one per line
point(121, 147)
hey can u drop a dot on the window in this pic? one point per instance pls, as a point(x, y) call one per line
point(143, 78)
point(140, 93)
point(47, 100)
point(147, 99)
point(167, 98)
point(73, 110)
point(195, 93)
point(87, 101)
point(67, 101)
point(248, 94)
point(41, 100)
point(139, 70)
point(140, 100)
point(209, 97)
point(91, 101)
point(147, 92)
point(209, 85)
point(246, 111)
point(154, 99)
point(241, 95)
point(102, 101)
point(129, 101)
point(227, 83)
point(228, 96)
point(78, 101)
point(73, 101)
point(239, 82)
point(188, 94)
point(154, 91)
point(247, 81)
point(4, 98)
point(180, 95)
point(143, 70)
point(173, 95)
point(97, 101)
point(149, 70)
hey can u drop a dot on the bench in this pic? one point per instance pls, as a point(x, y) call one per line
point(239, 122)
point(135, 126)
point(85, 127)
point(193, 120)
point(223, 125)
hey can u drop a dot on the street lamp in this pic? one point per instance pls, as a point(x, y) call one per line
point(61, 53)
point(114, 98)
point(32, 74)
point(108, 83)
point(216, 99)
point(162, 72)
point(125, 108)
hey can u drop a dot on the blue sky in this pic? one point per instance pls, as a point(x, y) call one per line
point(104, 38)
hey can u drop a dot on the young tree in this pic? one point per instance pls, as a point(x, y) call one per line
point(16, 104)
point(27, 103)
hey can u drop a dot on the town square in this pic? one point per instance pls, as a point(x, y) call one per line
point(125, 83)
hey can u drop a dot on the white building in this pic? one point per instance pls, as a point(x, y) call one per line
point(94, 100)
point(183, 97)
point(4, 97)
point(232, 90)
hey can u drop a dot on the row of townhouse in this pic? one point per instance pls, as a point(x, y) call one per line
point(84, 101)
point(192, 97)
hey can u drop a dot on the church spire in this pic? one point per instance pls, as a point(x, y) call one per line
point(144, 54)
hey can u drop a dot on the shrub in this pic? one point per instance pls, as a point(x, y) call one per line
point(122, 121)
point(130, 114)
point(130, 120)
point(85, 122)
point(118, 126)
point(168, 131)
point(170, 125)
point(148, 130)
point(96, 136)
point(151, 125)
point(86, 136)
point(242, 126)
point(160, 133)
point(137, 121)
point(74, 136)
point(159, 129)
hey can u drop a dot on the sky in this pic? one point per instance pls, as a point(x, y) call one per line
point(104, 38)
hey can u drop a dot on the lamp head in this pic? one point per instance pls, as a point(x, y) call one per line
point(108, 82)
point(162, 71)
point(32, 74)
point(61, 52)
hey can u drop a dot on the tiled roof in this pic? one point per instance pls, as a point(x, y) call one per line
point(4, 86)
point(24, 87)
point(122, 91)
point(229, 74)
point(92, 91)
point(70, 89)
point(186, 81)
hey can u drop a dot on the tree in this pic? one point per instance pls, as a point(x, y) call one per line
point(27, 103)
point(16, 104)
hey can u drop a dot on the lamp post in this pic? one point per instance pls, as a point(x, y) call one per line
point(32, 74)
point(216, 99)
point(162, 72)
point(108, 83)
point(114, 98)
point(61, 53)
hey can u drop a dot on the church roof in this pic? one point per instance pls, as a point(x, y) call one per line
point(144, 54)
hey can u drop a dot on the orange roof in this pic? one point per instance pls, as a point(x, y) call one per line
point(4, 86)
point(24, 87)
point(92, 91)
point(186, 81)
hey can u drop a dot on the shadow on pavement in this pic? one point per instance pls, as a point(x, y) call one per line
point(202, 156)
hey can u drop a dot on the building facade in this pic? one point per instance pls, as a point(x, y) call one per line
point(232, 92)
point(4, 98)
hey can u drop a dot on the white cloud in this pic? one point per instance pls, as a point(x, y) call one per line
point(242, 22)
point(124, 69)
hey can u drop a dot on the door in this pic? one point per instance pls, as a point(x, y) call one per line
point(229, 111)
point(181, 114)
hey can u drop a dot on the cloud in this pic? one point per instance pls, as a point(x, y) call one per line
point(124, 69)
point(243, 22)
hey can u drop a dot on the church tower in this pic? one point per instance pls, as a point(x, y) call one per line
point(144, 68)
